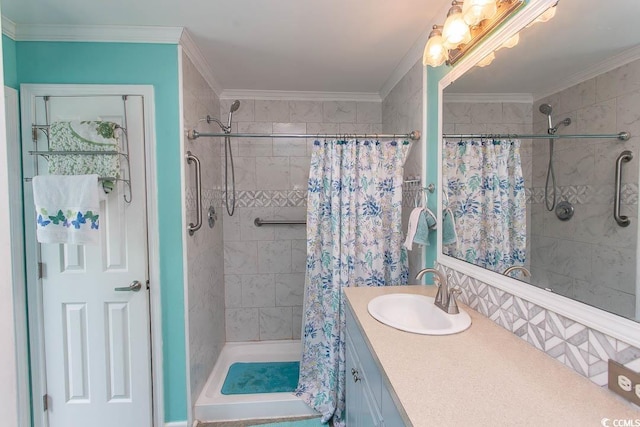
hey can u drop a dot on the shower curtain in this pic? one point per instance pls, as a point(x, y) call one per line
point(354, 238)
point(485, 188)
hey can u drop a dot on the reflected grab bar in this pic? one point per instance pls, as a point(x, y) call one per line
point(622, 220)
point(192, 228)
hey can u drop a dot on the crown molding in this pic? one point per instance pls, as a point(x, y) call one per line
point(523, 98)
point(413, 55)
point(97, 33)
point(193, 52)
point(291, 95)
point(595, 70)
point(8, 27)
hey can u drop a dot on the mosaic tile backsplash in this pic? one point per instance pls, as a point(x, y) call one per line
point(583, 349)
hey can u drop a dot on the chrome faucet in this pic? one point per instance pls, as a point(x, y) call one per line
point(445, 298)
point(524, 270)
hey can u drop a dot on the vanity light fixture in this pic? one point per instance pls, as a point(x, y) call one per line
point(435, 54)
point(464, 28)
point(476, 11)
point(455, 30)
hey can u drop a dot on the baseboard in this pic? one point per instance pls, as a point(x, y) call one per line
point(176, 424)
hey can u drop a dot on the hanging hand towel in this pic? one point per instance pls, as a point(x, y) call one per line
point(67, 208)
point(85, 136)
point(449, 235)
point(426, 223)
point(412, 228)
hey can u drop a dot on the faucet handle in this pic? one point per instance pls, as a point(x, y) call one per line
point(452, 305)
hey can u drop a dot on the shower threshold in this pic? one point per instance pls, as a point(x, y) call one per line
point(212, 405)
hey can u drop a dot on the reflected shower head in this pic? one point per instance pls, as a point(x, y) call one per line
point(234, 107)
point(565, 122)
point(546, 109)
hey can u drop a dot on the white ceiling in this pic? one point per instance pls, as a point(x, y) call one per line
point(283, 45)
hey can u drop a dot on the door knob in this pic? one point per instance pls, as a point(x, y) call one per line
point(135, 286)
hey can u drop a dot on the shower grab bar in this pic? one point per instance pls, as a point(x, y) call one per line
point(622, 220)
point(260, 222)
point(192, 228)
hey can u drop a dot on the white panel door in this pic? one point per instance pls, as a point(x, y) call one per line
point(97, 339)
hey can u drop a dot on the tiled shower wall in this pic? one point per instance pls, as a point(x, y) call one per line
point(402, 112)
point(590, 258)
point(264, 266)
point(205, 281)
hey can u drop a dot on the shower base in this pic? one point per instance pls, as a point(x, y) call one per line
point(212, 405)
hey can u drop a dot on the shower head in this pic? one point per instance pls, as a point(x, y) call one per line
point(234, 107)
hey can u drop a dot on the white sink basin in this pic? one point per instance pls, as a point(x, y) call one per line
point(417, 314)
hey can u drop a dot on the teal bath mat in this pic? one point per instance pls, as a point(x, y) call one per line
point(261, 377)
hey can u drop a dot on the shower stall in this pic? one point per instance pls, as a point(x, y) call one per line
point(245, 275)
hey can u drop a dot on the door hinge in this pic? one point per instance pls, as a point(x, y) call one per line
point(34, 133)
point(45, 402)
point(41, 268)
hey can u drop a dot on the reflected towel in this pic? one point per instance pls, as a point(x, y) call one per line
point(426, 223)
point(85, 136)
point(449, 235)
point(67, 208)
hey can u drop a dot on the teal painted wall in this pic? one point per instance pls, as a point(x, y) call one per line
point(433, 78)
point(150, 64)
point(9, 62)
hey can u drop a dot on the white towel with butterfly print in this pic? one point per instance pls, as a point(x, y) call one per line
point(67, 208)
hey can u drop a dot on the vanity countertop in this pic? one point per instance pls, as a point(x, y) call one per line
point(484, 376)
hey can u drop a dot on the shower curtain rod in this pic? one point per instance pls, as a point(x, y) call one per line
point(622, 136)
point(414, 135)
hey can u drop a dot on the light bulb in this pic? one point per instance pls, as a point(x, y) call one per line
point(455, 31)
point(435, 53)
point(513, 41)
point(486, 60)
point(475, 11)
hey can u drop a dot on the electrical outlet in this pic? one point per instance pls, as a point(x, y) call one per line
point(624, 382)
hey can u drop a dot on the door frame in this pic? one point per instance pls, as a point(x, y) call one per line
point(17, 249)
point(28, 93)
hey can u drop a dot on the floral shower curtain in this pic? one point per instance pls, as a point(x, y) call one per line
point(485, 188)
point(354, 238)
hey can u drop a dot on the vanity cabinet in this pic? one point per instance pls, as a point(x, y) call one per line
point(368, 402)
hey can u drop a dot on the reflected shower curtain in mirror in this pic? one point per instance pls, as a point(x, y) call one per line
point(354, 238)
point(486, 193)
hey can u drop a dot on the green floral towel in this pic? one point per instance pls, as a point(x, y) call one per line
point(85, 136)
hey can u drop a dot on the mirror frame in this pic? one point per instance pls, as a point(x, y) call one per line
point(610, 324)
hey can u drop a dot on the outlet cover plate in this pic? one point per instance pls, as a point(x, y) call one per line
point(616, 369)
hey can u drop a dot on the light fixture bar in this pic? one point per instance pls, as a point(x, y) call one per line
point(505, 9)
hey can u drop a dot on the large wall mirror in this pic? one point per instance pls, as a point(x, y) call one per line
point(545, 206)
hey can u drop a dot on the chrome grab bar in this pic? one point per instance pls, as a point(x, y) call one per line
point(258, 222)
point(622, 220)
point(192, 228)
